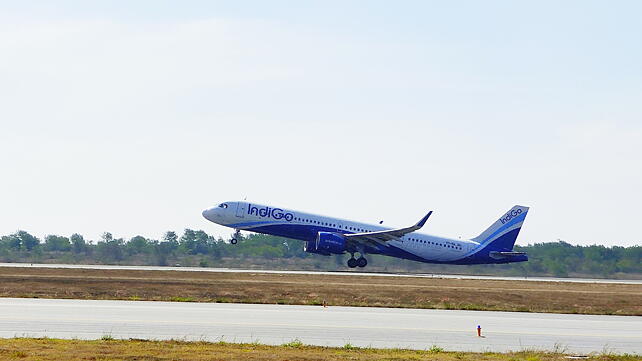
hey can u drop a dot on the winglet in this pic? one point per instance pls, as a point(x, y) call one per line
point(422, 221)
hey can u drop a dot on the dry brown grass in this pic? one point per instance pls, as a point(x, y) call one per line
point(527, 296)
point(54, 349)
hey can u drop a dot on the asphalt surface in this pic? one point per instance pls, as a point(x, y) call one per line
point(332, 326)
point(352, 273)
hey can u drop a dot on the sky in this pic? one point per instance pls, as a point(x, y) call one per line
point(133, 116)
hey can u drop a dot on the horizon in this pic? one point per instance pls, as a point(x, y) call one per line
point(180, 233)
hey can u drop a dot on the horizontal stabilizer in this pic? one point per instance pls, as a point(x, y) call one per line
point(501, 255)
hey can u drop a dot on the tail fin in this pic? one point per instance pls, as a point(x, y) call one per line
point(502, 234)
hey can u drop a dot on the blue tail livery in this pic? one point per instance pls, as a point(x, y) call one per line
point(327, 235)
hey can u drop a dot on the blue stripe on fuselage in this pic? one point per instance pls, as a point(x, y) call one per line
point(248, 224)
point(305, 232)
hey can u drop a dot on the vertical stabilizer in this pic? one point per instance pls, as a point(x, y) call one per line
point(501, 235)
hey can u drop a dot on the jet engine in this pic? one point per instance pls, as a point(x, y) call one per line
point(327, 243)
point(331, 242)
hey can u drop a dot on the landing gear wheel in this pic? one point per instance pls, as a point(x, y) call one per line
point(362, 262)
point(352, 263)
point(235, 237)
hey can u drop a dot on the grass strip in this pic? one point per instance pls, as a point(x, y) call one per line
point(110, 349)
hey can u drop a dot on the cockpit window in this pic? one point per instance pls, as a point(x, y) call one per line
point(222, 205)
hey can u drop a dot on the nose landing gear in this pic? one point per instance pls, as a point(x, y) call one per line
point(235, 237)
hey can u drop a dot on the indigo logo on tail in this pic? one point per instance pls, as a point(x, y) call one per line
point(276, 213)
point(510, 215)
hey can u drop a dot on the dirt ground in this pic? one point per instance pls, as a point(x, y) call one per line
point(410, 292)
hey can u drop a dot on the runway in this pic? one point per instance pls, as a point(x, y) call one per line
point(332, 326)
point(352, 273)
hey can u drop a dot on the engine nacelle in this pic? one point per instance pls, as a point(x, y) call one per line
point(311, 247)
point(331, 242)
point(327, 243)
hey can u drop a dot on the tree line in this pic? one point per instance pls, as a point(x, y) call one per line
point(197, 248)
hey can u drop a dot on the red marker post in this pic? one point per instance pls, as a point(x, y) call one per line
point(478, 331)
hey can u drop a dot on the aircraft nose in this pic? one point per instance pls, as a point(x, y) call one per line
point(208, 214)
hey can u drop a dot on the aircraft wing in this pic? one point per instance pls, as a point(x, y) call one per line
point(380, 237)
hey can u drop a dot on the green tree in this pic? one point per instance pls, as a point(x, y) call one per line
point(57, 243)
point(27, 241)
point(201, 243)
point(170, 236)
point(106, 237)
point(137, 245)
point(110, 249)
point(78, 244)
point(163, 250)
point(12, 241)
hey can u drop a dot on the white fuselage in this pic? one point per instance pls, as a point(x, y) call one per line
point(305, 226)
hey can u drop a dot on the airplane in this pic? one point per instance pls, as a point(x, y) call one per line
point(327, 235)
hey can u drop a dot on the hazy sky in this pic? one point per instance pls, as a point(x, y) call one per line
point(133, 116)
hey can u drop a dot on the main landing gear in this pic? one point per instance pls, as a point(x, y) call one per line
point(235, 237)
point(357, 262)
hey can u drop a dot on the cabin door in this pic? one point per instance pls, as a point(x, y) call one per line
point(240, 209)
